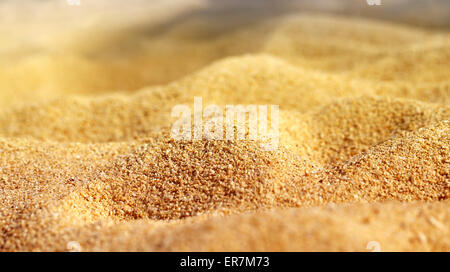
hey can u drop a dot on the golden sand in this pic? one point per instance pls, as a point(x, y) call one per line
point(364, 154)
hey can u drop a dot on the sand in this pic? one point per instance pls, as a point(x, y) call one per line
point(88, 163)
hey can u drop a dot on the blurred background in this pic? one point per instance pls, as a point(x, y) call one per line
point(99, 46)
point(427, 13)
point(33, 24)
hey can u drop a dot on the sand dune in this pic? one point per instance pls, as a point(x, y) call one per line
point(264, 79)
point(395, 227)
point(131, 58)
point(87, 155)
point(158, 178)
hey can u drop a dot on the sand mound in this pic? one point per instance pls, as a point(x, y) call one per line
point(137, 54)
point(264, 79)
point(385, 227)
point(353, 125)
point(87, 156)
point(163, 179)
point(409, 167)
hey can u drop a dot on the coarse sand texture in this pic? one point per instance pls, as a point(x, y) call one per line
point(86, 153)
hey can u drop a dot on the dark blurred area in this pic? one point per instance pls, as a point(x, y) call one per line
point(425, 13)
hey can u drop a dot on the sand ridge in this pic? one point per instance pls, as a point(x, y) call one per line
point(363, 156)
